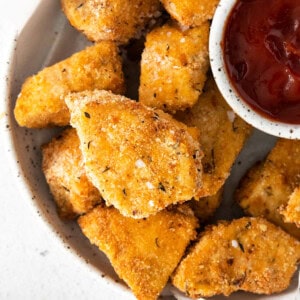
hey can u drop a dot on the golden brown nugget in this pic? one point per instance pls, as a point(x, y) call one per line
point(63, 167)
point(291, 211)
point(267, 186)
point(222, 136)
point(118, 20)
point(205, 208)
point(140, 159)
point(191, 13)
point(41, 101)
point(143, 252)
point(174, 66)
point(248, 254)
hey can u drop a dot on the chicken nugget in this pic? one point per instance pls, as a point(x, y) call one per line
point(140, 159)
point(63, 167)
point(291, 211)
point(222, 136)
point(248, 254)
point(118, 20)
point(191, 13)
point(41, 101)
point(268, 185)
point(173, 67)
point(205, 208)
point(143, 252)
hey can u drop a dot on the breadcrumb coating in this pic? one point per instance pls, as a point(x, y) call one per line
point(291, 211)
point(248, 254)
point(118, 20)
point(174, 66)
point(268, 185)
point(63, 167)
point(191, 13)
point(222, 136)
point(140, 159)
point(205, 207)
point(41, 101)
point(143, 252)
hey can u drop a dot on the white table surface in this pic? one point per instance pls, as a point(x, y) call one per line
point(33, 264)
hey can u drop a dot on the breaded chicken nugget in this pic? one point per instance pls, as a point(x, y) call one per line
point(248, 254)
point(41, 101)
point(140, 159)
point(191, 13)
point(173, 67)
point(143, 252)
point(291, 211)
point(268, 185)
point(207, 206)
point(63, 167)
point(222, 136)
point(118, 20)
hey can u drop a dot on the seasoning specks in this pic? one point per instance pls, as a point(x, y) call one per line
point(234, 244)
point(149, 185)
point(140, 164)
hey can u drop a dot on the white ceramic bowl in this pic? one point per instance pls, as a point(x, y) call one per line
point(46, 39)
point(284, 130)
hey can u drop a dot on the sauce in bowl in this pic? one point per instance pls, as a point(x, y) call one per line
point(262, 56)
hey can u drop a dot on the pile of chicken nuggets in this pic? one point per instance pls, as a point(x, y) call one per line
point(143, 177)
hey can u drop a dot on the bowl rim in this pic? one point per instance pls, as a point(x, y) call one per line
point(8, 140)
point(234, 100)
point(22, 186)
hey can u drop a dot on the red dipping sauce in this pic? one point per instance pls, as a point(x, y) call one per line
point(262, 56)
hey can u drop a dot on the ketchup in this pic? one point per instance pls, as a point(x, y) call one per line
point(262, 56)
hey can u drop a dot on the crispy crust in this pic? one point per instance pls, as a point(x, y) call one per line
point(267, 186)
point(191, 13)
point(41, 101)
point(222, 136)
point(291, 211)
point(174, 66)
point(143, 252)
point(205, 207)
point(63, 167)
point(247, 254)
point(140, 159)
point(118, 20)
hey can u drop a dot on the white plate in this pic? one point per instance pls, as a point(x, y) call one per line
point(46, 39)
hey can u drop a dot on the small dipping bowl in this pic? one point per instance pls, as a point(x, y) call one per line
point(228, 88)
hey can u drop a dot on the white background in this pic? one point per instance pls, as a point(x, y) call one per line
point(33, 264)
